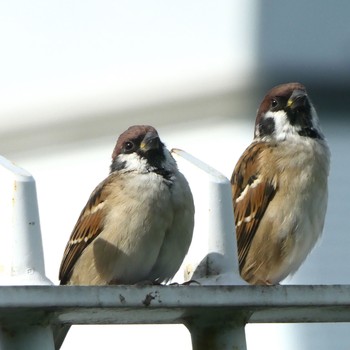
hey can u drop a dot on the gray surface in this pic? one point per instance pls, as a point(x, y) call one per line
point(173, 304)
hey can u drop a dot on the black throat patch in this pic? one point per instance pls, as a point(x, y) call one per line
point(310, 132)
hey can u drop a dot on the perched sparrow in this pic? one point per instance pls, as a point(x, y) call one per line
point(279, 187)
point(137, 224)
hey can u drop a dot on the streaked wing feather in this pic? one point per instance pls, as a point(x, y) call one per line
point(87, 228)
point(251, 196)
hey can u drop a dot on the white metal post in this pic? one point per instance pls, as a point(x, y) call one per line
point(212, 258)
point(21, 251)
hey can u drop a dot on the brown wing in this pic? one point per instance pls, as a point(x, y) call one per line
point(87, 228)
point(252, 192)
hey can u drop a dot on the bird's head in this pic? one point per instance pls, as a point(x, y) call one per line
point(286, 112)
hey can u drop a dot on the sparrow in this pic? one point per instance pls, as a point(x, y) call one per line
point(279, 187)
point(138, 223)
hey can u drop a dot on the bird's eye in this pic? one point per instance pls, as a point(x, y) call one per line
point(274, 103)
point(128, 146)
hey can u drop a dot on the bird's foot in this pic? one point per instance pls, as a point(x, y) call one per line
point(187, 283)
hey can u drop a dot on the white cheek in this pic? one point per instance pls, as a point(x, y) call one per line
point(283, 128)
point(133, 162)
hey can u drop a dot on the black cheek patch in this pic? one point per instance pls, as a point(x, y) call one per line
point(266, 126)
point(117, 165)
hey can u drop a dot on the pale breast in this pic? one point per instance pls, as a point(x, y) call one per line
point(296, 213)
point(178, 236)
point(139, 212)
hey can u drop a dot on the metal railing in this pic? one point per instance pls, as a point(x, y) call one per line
point(215, 312)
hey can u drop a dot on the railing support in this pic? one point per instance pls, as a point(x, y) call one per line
point(21, 252)
point(215, 337)
point(212, 258)
point(29, 338)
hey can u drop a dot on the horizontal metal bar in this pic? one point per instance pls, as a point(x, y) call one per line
point(173, 304)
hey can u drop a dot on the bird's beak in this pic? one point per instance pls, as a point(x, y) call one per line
point(150, 141)
point(298, 99)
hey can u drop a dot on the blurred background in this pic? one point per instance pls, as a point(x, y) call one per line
point(75, 74)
